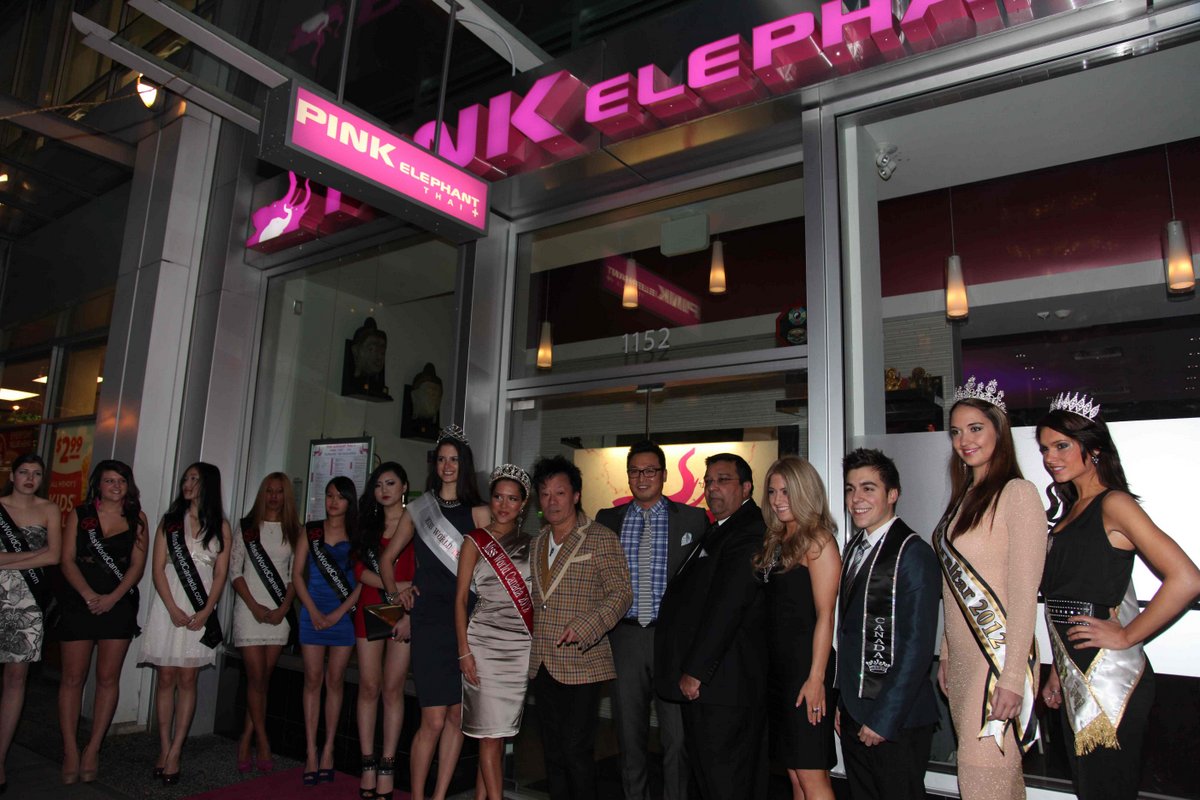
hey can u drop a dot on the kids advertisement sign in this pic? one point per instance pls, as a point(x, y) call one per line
point(559, 115)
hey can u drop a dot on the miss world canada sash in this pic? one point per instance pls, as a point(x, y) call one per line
point(510, 577)
point(12, 541)
point(879, 614)
point(986, 619)
point(89, 521)
point(1095, 701)
point(263, 565)
point(325, 565)
point(437, 532)
point(189, 578)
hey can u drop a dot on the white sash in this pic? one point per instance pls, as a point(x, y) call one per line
point(437, 532)
point(1095, 701)
point(986, 619)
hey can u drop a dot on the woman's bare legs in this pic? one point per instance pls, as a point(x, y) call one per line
point(110, 658)
point(335, 678)
point(11, 703)
point(76, 660)
point(395, 672)
point(314, 676)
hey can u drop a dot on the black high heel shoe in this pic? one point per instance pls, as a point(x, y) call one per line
point(171, 778)
point(369, 764)
point(386, 766)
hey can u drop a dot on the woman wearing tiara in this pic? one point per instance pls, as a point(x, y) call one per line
point(494, 646)
point(436, 523)
point(1102, 683)
point(991, 542)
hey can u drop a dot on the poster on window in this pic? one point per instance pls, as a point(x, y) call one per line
point(71, 465)
point(14, 443)
point(605, 483)
point(328, 458)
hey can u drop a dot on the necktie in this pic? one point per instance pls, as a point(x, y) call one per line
point(645, 604)
point(856, 559)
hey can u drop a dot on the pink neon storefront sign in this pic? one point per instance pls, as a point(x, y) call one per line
point(559, 116)
point(322, 140)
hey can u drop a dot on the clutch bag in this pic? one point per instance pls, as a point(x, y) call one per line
point(380, 619)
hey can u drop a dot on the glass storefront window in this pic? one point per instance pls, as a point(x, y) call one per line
point(81, 382)
point(1061, 256)
point(23, 390)
point(318, 329)
point(713, 272)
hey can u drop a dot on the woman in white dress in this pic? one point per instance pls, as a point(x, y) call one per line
point(174, 639)
point(260, 624)
point(32, 540)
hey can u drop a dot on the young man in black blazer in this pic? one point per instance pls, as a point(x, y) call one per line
point(887, 624)
point(710, 648)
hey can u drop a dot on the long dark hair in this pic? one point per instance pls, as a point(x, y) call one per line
point(133, 497)
point(289, 520)
point(208, 503)
point(20, 461)
point(1001, 469)
point(370, 513)
point(468, 490)
point(1093, 437)
point(345, 487)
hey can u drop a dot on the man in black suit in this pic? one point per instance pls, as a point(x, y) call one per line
point(657, 536)
point(887, 624)
point(710, 649)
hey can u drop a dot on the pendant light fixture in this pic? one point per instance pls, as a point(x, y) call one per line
point(629, 295)
point(147, 92)
point(545, 351)
point(716, 272)
point(1181, 272)
point(957, 306)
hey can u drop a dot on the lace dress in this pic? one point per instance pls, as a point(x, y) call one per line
point(21, 629)
point(163, 644)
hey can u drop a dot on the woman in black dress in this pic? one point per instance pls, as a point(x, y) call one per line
point(800, 566)
point(452, 504)
point(103, 558)
point(1098, 527)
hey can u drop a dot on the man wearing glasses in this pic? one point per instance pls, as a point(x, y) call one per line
point(711, 650)
point(657, 535)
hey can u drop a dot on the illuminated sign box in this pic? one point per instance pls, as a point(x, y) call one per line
point(305, 131)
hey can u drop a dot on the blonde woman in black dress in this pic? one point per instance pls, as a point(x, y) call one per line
point(103, 558)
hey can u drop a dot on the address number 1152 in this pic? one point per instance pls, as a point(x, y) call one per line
point(647, 341)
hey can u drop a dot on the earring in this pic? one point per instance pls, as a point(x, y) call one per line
point(1095, 458)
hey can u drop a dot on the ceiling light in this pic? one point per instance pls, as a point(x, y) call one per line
point(1181, 272)
point(3, 177)
point(629, 295)
point(957, 304)
point(147, 91)
point(545, 351)
point(41, 379)
point(13, 395)
point(716, 272)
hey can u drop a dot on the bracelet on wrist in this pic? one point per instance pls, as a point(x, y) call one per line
point(465, 655)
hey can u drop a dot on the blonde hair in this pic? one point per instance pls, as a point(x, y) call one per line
point(815, 526)
point(289, 520)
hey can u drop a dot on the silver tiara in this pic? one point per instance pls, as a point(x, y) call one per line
point(453, 432)
point(512, 472)
point(1078, 403)
point(988, 393)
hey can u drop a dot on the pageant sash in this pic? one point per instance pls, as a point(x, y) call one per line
point(510, 577)
point(372, 561)
point(189, 578)
point(879, 615)
point(1095, 700)
point(437, 532)
point(985, 617)
point(89, 522)
point(263, 565)
point(325, 565)
point(13, 541)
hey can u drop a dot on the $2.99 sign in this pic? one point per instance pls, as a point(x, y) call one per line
point(71, 465)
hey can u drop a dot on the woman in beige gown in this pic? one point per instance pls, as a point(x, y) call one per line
point(992, 544)
point(494, 644)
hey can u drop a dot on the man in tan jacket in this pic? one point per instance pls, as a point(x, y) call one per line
point(581, 587)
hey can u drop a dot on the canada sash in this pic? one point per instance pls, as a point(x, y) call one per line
point(325, 565)
point(13, 542)
point(89, 523)
point(189, 578)
point(1095, 701)
point(437, 532)
point(263, 565)
point(879, 614)
point(985, 617)
point(510, 577)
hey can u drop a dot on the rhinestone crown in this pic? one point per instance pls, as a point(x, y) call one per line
point(453, 432)
point(1078, 403)
point(988, 393)
point(512, 472)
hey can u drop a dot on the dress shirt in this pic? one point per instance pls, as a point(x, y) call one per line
point(631, 539)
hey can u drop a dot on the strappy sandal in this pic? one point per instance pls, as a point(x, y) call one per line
point(387, 765)
point(370, 764)
point(309, 779)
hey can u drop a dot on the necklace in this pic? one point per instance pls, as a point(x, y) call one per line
point(448, 503)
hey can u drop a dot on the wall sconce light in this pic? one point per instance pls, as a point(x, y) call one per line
point(716, 272)
point(957, 305)
point(545, 351)
point(629, 294)
point(1181, 272)
point(147, 91)
point(3, 177)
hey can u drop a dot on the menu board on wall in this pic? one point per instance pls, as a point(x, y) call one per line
point(606, 484)
point(71, 465)
point(328, 458)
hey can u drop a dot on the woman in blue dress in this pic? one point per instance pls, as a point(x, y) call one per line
point(324, 579)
